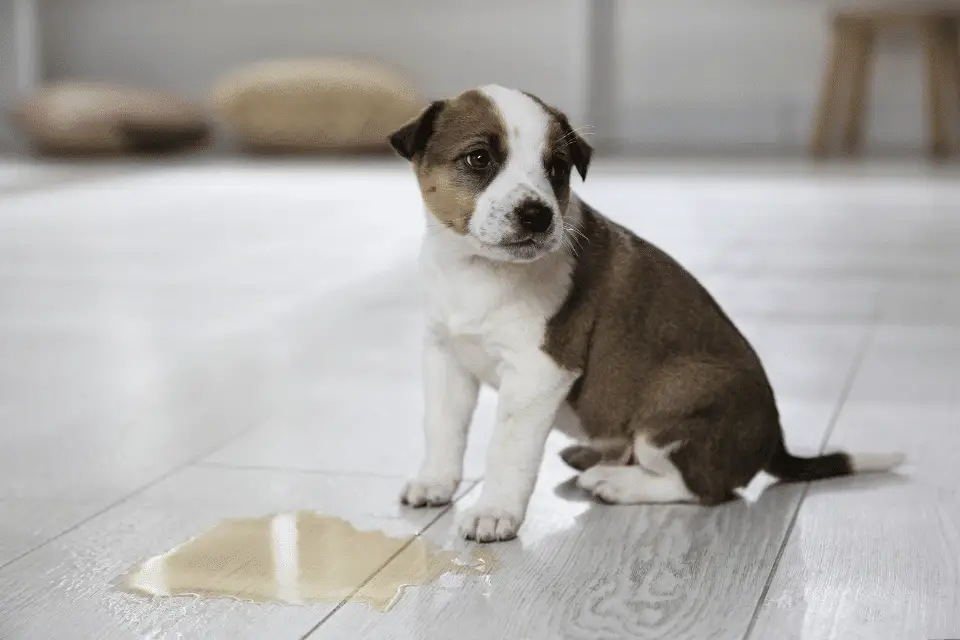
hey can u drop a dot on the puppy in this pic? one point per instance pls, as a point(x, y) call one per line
point(578, 323)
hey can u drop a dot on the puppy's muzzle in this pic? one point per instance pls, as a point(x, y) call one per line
point(533, 216)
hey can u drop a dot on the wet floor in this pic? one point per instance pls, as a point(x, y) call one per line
point(299, 558)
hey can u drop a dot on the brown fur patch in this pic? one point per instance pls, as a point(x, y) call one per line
point(583, 456)
point(449, 190)
point(555, 151)
point(660, 358)
point(656, 355)
point(437, 141)
point(564, 138)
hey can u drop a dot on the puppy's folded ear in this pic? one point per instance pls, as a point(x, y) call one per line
point(580, 151)
point(411, 139)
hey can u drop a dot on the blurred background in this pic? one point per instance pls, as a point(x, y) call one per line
point(730, 77)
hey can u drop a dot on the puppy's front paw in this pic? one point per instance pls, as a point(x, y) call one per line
point(429, 492)
point(489, 524)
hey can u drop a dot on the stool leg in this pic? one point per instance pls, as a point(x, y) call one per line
point(862, 39)
point(930, 33)
point(832, 78)
point(951, 29)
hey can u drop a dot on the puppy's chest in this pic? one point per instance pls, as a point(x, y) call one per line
point(489, 316)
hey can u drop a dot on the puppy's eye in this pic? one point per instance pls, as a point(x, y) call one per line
point(558, 170)
point(478, 159)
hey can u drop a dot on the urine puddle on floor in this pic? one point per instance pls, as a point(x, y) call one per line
point(299, 558)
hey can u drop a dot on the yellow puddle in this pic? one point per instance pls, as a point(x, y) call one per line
point(299, 558)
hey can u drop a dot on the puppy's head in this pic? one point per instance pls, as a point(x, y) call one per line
point(494, 167)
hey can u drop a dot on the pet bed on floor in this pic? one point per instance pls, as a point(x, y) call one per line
point(81, 117)
point(326, 104)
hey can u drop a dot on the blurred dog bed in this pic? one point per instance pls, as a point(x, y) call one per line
point(72, 118)
point(315, 105)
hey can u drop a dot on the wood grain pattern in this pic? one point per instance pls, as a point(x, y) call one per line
point(920, 303)
point(65, 589)
point(808, 298)
point(835, 76)
point(938, 117)
point(132, 344)
point(367, 390)
point(61, 462)
point(876, 557)
point(951, 60)
point(807, 360)
point(862, 44)
point(592, 572)
point(140, 326)
point(914, 365)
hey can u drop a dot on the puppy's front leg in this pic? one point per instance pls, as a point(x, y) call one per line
point(450, 398)
point(531, 392)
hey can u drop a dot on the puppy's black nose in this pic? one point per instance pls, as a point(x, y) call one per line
point(534, 217)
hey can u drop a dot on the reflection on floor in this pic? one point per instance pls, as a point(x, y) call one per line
point(184, 344)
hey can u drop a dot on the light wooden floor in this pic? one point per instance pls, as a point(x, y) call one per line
point(181, 344)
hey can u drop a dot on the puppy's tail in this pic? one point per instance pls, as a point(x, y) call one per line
point(790, 468)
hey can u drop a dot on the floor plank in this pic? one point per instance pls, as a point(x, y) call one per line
point(921, 303)
point(876, 557)
point(364, 364)
point(149, 317)
point(807, 360)
point(131, 310)
point(81, 435)
point(910, 365)
point(66, 589)
point(799, 299)
point(586, 571)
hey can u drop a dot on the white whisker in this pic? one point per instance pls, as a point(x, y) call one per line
point(579, 130)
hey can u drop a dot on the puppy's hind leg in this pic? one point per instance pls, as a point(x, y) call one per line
point(581, 457)
point(651, 479)
point(633, 485)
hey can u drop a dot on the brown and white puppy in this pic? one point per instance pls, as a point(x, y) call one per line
point(579, 324)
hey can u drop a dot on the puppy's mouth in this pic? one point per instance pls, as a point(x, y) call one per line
point(527, 248)
point(520, 248)
point(522, 244)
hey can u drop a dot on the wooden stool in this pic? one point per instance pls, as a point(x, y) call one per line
point(854, 35)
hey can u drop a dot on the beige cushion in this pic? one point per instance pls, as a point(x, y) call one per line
point(323, 104)
point(78, 117)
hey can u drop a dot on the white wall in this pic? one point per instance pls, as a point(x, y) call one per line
point(446, 45)
point(698, 73)
point(746, 72)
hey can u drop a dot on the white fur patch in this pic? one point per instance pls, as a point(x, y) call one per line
point(655, 459)
point(486, 320)
point(523, 176)
point(653, 479)
point(634, 485)
point(876, 462)
point(492, 317)
point(755, 488)
point(451, 392)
